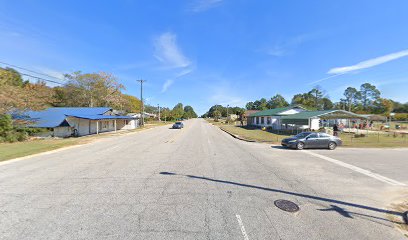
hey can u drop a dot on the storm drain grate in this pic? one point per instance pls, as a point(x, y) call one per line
point(286, 205)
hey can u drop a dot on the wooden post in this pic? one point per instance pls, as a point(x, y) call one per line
point(115, 125)
point(97, 127)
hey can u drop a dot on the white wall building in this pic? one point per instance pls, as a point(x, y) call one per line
point(72, 121)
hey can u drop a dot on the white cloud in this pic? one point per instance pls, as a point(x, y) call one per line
point(170, 82)
point(167, 51)
point(204, 5)
point(287, 47)
point(369, 63)
point(167, 84)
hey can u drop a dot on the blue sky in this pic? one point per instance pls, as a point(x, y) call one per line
point(206, 52)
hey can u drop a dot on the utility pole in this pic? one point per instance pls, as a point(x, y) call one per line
point(227, 113)
point(158, 106)
point(141, 100)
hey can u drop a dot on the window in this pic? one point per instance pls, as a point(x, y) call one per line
point(313, 135)
point(324, 135)
point(262, 120)
point(268, 120)
point(257, 120)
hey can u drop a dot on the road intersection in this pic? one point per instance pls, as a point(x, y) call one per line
point(200, 183)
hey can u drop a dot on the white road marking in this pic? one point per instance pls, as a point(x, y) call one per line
point(241, 225)
point(358, 169)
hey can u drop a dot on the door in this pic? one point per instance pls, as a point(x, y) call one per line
point(312, 141)
point(324, 139)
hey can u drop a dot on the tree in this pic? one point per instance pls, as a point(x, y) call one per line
point(93, 90)
point(352, 97)
point(189, 112)
point(217, 115)
point(317, 95)
point(369, 94)
point(165, 113)
point(22, 95)
point(250, 106)
point(304, 99)
point(131, 104)
point(177, 111)
point(277, 101)
point(261, 104)
point(10, 76)
point(327, 103)
point(383, 106)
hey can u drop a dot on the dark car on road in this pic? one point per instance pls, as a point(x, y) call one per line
point(178, 125)
point(312, 140)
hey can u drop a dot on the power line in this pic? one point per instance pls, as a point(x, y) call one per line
point(28, 70)
point(25, 74)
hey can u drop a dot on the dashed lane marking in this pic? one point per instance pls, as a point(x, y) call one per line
point(241, 225)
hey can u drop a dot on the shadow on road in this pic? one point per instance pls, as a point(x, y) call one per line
point(335, 208)
point(281, 147)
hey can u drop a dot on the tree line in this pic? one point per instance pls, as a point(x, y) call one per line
point(217, 111)
point(367, 99)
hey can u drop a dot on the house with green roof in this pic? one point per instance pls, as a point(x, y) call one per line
point(272, 117)
point(297, 117)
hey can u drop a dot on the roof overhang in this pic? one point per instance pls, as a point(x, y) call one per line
point(101, 117)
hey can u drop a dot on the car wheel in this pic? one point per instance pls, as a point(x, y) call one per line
point(300, 146)
point(332, 145)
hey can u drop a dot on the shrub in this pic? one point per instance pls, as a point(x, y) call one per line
point(9, 133)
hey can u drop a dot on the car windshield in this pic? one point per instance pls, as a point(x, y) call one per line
point(178, 123)
point(302, 135)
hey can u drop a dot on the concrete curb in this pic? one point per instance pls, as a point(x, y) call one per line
point(237, 137)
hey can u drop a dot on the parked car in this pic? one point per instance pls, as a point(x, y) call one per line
point(312, 140)
point(178, 125)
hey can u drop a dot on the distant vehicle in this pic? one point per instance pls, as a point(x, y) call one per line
point(312, 140)
point(178, 125)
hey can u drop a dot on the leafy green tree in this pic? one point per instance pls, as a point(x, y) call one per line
point(177, 111)
point(369, 94)
point(327, 103)
point(317, 95)
point(217, 115)
point(250, 106)
point(189, 112)
point(352, 97)
point(131, 104)
point(93, 90)
point(10, 76)
point(277, 101)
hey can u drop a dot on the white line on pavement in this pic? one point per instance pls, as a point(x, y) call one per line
point(357, 169)
point(241, 225)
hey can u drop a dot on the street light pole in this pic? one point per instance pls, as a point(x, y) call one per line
point(141, 100)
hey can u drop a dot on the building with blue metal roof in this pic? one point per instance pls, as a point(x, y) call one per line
point(78, 121)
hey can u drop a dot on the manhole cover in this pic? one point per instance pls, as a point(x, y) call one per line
point(286, 205)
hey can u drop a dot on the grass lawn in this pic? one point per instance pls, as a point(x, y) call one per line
point(371, 140)
point(21, 149)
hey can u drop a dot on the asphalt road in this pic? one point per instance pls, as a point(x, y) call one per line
point(200, 183)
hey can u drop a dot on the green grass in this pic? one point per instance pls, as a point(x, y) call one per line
point(21, 149)
point(371, 140)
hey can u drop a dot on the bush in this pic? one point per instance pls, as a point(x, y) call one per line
point(9, 133)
